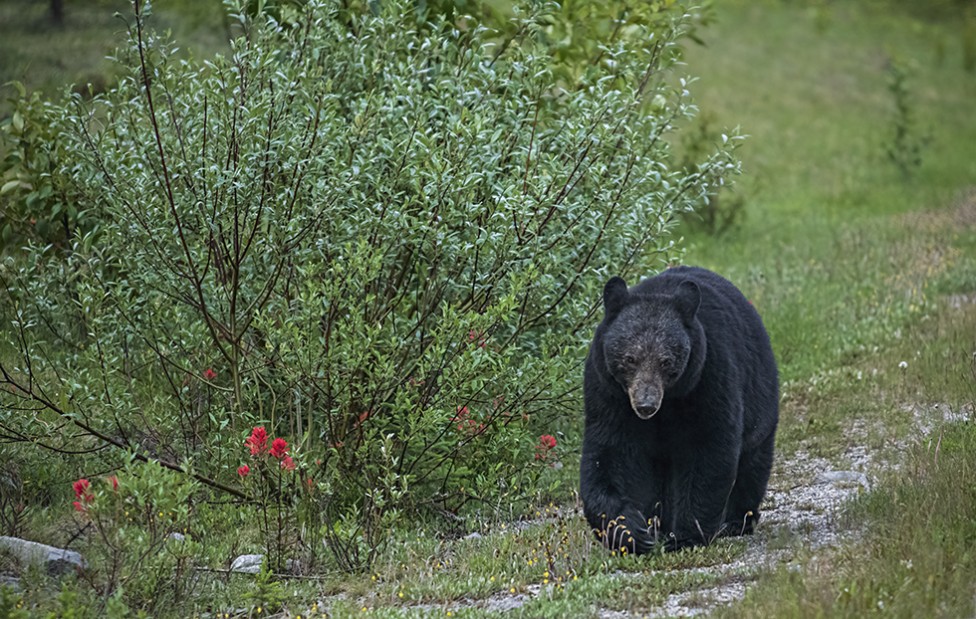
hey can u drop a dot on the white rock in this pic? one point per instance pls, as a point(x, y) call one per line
point(251, 564)
point(53, 560)
point(247, 564)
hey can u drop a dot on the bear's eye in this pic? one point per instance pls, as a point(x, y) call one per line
point(630, 359)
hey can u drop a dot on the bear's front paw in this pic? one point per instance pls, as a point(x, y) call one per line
point(625, 536)
point(743, 525)
point(674, 543)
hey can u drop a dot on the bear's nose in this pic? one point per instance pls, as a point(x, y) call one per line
point(646, 411)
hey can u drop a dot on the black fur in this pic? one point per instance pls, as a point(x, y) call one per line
point(682, 401)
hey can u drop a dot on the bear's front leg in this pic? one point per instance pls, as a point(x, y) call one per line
point(614, 513)
point(698, 495)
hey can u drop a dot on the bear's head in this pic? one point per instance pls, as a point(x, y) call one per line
point(649, 340)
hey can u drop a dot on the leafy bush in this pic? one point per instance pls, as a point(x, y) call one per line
point(135, 525)
point(905, 144)
point(722, 209)
point(351, 231)
point(37, 203)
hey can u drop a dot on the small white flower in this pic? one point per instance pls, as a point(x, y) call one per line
point(903, 365)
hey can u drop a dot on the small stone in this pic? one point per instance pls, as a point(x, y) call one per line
point(12, 582)
point(251, 564)
point(247, 564)
point(474, 535)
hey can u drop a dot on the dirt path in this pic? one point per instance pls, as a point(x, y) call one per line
point(802, 509)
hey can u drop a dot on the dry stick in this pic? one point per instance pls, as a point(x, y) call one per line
point(115, 442)
point(215, 570)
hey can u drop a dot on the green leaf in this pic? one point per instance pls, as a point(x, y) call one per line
point(14, 184)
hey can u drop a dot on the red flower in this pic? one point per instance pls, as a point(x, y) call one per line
point(547, 443)
point(83, 493)
point(258, 441)
point(81, 487)
point(209, 374)
point(112, 479)
point(244, 470)
point(287, 463)
point(279, 448)
point(477, 336)
point(462, 414)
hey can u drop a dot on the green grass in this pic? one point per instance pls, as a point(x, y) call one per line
point(48, 57)
point(821, 245)
point(854, 268)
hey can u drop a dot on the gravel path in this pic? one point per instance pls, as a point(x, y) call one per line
point(803, 503)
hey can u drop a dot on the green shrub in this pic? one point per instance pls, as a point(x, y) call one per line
point(135, 528)
point(722, 209)
point(385, 242)
point(37, 202)
point(905, 144)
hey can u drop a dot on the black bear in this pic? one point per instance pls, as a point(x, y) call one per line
point(682, 400)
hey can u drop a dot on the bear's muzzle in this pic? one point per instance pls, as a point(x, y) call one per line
point(645, 398)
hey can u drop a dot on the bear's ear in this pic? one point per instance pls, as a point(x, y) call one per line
point(615, 296)
point(687, 299)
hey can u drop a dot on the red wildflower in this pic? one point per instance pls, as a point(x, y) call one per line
point(209, 374)
point(547, 443)
point(83, 493)
point(287, 463)
point(112, 479)
point(279, 448)
point(244, 470)
point(461, 415)
point(81, 487)
point(363, 416)
point(465, 423)
point(477, 336)
point(258, 441)
point(471, 426)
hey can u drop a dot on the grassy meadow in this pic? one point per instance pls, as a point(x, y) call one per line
point(48, 57)
point(864, 271)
